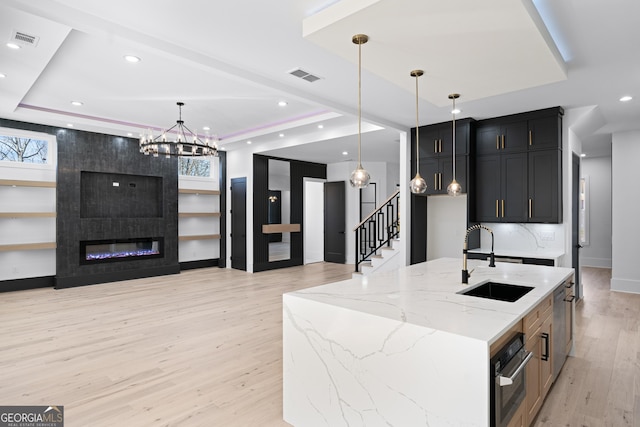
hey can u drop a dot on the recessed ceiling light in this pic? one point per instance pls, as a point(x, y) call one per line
point(248, 142)
point(320, 126)
point(583, 155)
point(282, 103)
point(132, 58)
point(626, 98)
point(345, 153)
point(77, 103)
point(129, 134)
point(281, 135)
point(456, 111)
point(13, 45)
point(2, 75)
point(206, 128)
point(69, 125)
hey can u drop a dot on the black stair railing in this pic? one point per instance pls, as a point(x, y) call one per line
point(377, 229)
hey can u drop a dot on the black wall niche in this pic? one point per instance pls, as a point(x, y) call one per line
point(80, 151)
point(298, 171)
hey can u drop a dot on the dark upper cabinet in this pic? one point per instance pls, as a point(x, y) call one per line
point(544, 180)
point(545, 133)
point(436, 140)
point(507, 137)
point(487, 189)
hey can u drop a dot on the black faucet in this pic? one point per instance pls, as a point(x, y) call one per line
point(492, 258)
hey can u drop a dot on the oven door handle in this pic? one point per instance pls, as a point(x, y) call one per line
point(504, 381)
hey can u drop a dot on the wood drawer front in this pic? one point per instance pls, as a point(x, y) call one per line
point(534, 319)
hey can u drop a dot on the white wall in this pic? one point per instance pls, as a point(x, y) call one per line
point(597, 252)
point(625, 275)
point(446, 226)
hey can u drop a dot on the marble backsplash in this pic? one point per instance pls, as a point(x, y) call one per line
point(525, 237)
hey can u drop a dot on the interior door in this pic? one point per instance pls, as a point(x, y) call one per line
point(334, 222)
point(575, 222)
point(239, 223)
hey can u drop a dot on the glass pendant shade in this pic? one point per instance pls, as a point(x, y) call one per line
point(418, 185)
point(454, 189)
point(359, 177)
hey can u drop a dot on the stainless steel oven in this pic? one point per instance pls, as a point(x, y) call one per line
point(507, 382)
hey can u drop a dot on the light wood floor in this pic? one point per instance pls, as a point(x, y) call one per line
point(204, 348)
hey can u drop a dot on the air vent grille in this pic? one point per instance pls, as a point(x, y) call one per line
point(304, 75)
point(24, 39)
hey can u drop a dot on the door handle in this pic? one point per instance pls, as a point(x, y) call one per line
point(503, 142)
point(503, 381)
point(545, 355)
point(502, 208)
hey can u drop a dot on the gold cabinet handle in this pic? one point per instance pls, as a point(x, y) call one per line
point(435, 145)
point(440, 181)
point(497, 142)
point(530, 207)
point(503, 142)
point(439, 146)
point(497, 208)
point(502, 208)
point(530, 138)
point(435, 181)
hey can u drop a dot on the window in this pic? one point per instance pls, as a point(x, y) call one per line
point(190, 166)
point(25, 150)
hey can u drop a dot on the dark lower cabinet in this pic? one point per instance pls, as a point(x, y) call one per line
point(519, 187)
point(544, 182)
point(501, 188)
point(438, 173)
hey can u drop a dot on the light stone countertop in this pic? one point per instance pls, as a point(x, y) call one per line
point(540, 254)
point(427, 295)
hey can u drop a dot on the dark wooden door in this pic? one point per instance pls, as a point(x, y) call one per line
point(239, 223)
point(487, 139)
point(544, 188)
point(513, 203)
point(334, 222)
point(515, 137)
point(430, 169)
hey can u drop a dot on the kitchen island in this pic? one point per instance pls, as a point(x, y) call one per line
point(401, 348)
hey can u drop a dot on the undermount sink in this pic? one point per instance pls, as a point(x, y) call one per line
point(498, 291)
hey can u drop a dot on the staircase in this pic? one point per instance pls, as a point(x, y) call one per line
point(377, 243)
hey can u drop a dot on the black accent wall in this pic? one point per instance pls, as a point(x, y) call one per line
point(298, 170)
point(80, 151)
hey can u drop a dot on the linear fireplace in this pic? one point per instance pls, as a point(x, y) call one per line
point(96, 251)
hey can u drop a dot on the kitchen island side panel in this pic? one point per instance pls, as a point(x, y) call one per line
point(346, 367)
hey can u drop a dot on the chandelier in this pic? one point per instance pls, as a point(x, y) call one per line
point(186, 143)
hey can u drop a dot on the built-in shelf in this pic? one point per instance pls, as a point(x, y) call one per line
point(200, 237)
point(203, 192)
point(27, 214)
point(22, 183)
point(28, 246)
point(280, 228)
point(198, 214)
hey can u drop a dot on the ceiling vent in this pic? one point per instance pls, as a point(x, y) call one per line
point(304, 75)
point(24, 39)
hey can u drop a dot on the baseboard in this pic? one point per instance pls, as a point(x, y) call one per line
point(94, 279)
point(27, 283)
point(625, 285)
point(203, 263)
point(595, 262)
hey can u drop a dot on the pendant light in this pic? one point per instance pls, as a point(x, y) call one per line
point(417, 185)
point(454, 189)
point(359, 177)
